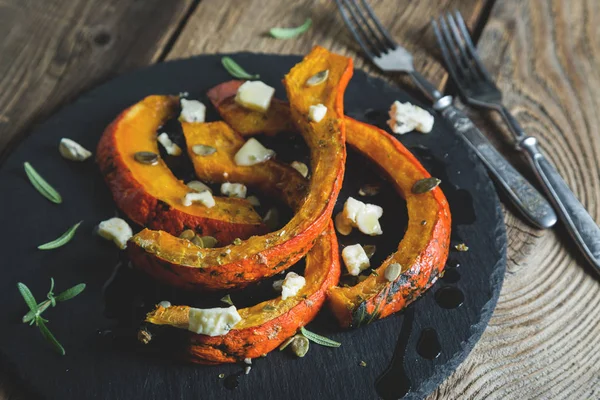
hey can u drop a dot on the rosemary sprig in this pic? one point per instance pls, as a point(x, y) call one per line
point(34, 316)
point(318, 339)
point(62, 240)
point(289, 33)
point(236, 70)
point(41, 185)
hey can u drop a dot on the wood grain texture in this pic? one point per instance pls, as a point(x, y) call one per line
point(542, 341)
point(54, 50)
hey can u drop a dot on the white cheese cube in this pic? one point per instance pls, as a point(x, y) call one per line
point(356, 259)
point(292, 285)
point(352, 208)
point(405, 117)
point(172, 148)
point(252, 152)
point(205, 198)
point(71, 150)
point(234, 190)
point(192, 111)
point(300, 167)
point(317, 113)
point(363, 216)
point(198, 186)
point(255, 95)
point(213, 321)
point(117, 230)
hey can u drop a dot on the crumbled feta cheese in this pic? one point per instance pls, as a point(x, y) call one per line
point(198, 186)
point(205, 198)
point(247, 370)
point(317, 113)
point(72, 150)
point(117, 230)
point(252, 152)
point(172, 148)
point(248, 361)
point(253, 200)
point(234, 190)
point(213, 321)
point(192, 111)
point(292, 285)
point(355, 258)
point(405, 117)
point(300, 167)
point(363, 216)
point(255, 95)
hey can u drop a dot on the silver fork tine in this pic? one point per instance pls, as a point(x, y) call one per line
point(459, 44)
point(471, 47)
point(356, 35)
point(382, 46)
point(456, 60)
point(445, 50)
point(390, 42)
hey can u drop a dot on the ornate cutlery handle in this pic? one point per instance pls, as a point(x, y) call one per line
point(579, 223)
point(525, 197)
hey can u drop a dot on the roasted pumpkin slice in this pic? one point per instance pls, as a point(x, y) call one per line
point(151, 195)
point(270, 177)
point(422, 252)
point(181, 263)
point(266, 325)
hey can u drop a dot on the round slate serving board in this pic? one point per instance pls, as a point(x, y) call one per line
point(102, 360)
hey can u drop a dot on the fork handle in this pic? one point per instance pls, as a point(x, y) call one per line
point(425, 86)
point(580, 224)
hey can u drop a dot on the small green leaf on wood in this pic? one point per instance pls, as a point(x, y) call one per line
point(289, 33)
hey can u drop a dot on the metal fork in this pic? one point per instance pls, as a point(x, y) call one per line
point(384, 52)
point(478, 89)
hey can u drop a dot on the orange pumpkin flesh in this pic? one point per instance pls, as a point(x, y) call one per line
point(180, 263)
point(150, 195)
point(423, 250)
point(266, 325)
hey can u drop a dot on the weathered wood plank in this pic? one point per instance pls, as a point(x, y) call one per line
point(53, 50)
point(542, 340)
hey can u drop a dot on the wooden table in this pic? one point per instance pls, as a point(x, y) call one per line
point(542, 341)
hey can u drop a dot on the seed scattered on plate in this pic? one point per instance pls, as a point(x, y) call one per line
point(425, 185)
point(362, 363)
point(369, 189)
point(300, 345)
point(369, 250)
point(203, 150)
point(221, 376)
point(146, 157)
point(461, 247)
point(392, 272)
point(318, 78)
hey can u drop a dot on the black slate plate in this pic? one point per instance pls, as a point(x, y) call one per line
point(106, 366)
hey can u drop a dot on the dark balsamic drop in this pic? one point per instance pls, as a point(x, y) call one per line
point(232, 381)
point(451, 275)
point(428, 345)
point(449, 297)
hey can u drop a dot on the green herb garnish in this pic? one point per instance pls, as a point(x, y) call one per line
point(41, 185)
point(236, 70)
point(34, 316)
point(318, 339)
point(62, 240)
point(289, 33)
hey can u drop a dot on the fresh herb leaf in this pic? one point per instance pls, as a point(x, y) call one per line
point(70, 293)
point(28, 297)
point(62, 240)
point(289, 33)
point(318, 339)
point(30, 316)
point(236, 70)
point(227, 300)
point(41, 323)
point(41, 185)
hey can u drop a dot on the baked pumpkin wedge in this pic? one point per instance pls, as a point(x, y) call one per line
point(180, 263)
point(151, 195)
point(271, 177)
point(423, 251)
point(266, 325)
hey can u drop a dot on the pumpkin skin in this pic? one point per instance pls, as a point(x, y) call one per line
point(150, 195)
point(423, 250)
point(261, 330)
point(182, 264)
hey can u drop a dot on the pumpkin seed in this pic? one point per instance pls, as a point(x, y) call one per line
point(369, 189)
point(144, 336)
point(392, 272)
point(146, 157)
point(300, 167)
point(227, 300)
point(237, 241)
point(165, 304)
point(425, 185)
point(269, 307)
point(209, 242)
point(300, 345)
point(188, 234)
point(203, 150)
point(423, 222)
point(318, 78)
point(286, 343)
point(221, 376)
point(461, 247)
point(197, 240)
point(369, 249)
point(362, 363)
